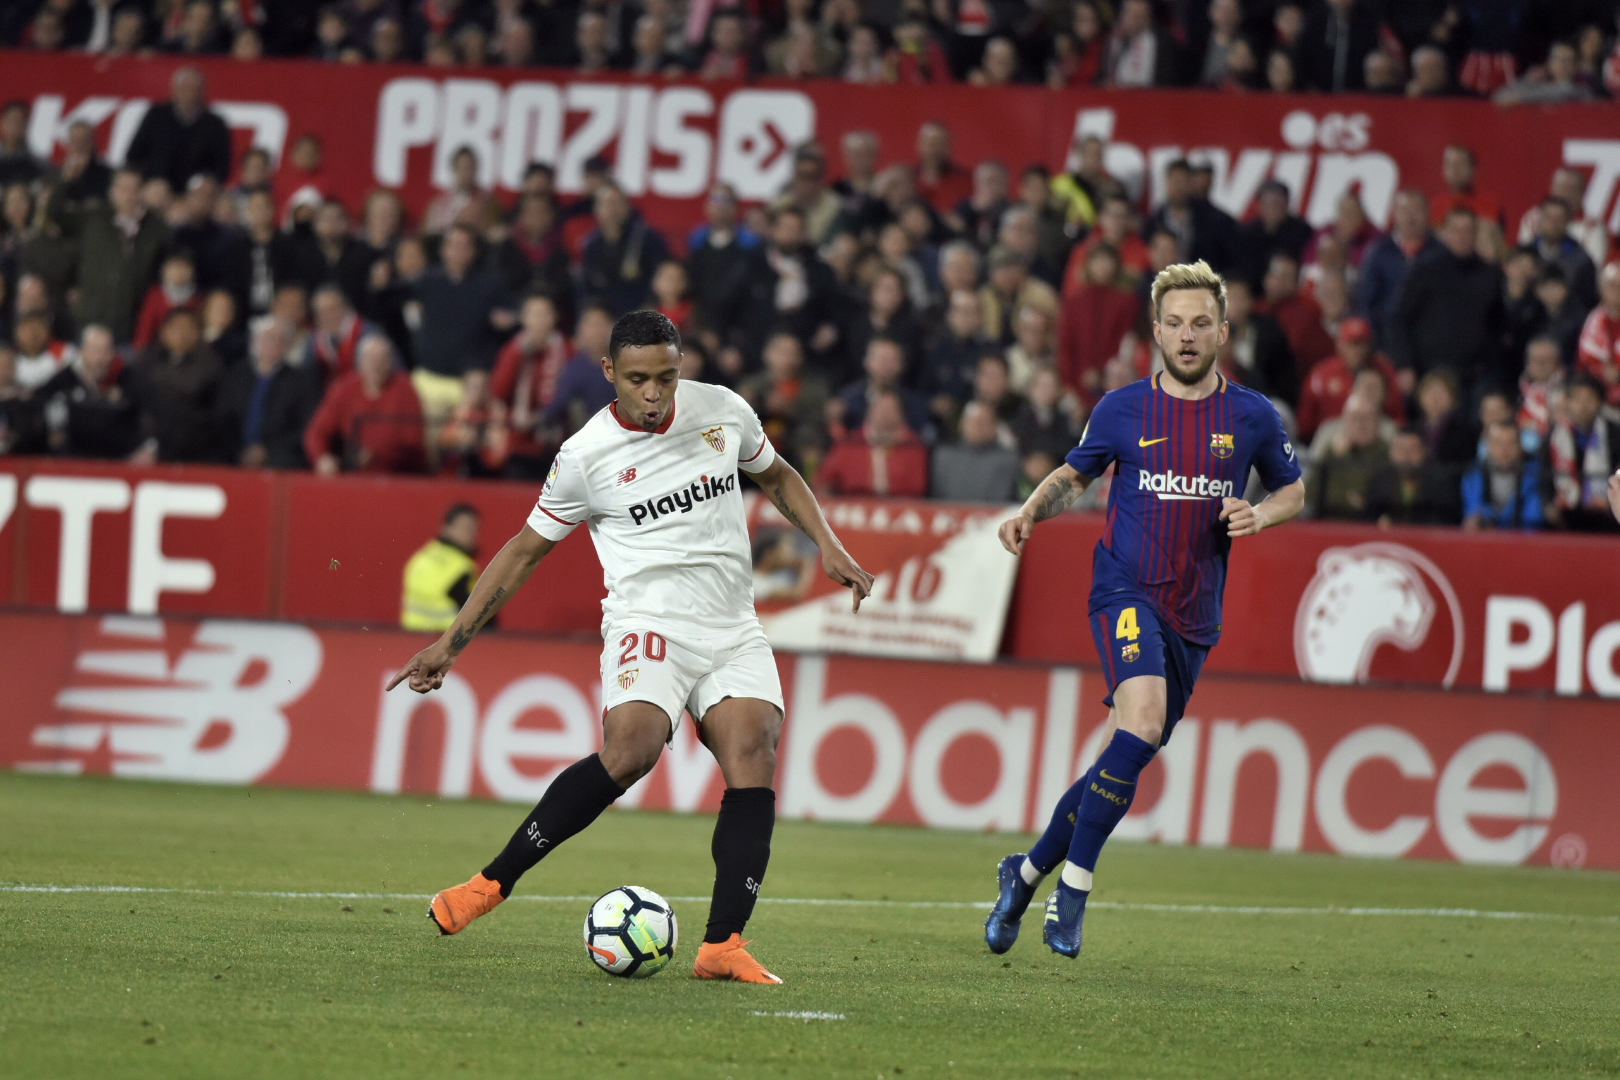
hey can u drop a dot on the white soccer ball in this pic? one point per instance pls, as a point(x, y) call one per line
point(631, 932)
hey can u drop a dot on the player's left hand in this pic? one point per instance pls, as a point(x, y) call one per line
point(427, 669)
point(842, 568)
point(1241, 518)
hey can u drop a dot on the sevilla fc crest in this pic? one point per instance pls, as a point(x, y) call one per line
point(716, 438)
point(1130, 652)
point(1222, 446)
point(627, 679)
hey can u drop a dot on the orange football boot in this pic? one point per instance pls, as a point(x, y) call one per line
point(453, 909)
point(729, 959)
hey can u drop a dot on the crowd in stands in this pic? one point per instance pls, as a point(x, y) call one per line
point(928, 329)
point(1520, 51)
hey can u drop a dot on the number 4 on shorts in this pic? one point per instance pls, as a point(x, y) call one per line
point(1126, 627)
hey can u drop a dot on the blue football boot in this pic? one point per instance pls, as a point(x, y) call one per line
point(1001, 928)
point(1065, 910)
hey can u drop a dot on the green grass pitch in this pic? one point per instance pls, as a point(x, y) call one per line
point(221, 979)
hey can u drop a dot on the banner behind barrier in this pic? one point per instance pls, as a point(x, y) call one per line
point(1329, 603)
point(397, 126)
point(1256, 763)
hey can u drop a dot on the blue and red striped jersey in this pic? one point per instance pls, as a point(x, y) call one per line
point(1175, 461)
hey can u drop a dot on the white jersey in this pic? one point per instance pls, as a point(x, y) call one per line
point(664, 510)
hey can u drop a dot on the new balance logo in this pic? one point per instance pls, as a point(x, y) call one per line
point(627, 476)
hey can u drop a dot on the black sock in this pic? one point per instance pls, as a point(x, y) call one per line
point(575, 799)
point(742, 848)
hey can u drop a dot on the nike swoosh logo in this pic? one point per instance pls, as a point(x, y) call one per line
point(1115, 779)
point(1150, 442)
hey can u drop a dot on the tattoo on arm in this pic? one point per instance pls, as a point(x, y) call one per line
point(1058, 493)
point(465, 633)
point(780, 499)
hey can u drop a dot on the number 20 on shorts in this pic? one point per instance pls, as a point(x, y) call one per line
point(1126, 629)
point(652, 646)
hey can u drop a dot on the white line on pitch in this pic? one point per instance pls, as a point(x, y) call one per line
point(959, 905)
point(805, 1016)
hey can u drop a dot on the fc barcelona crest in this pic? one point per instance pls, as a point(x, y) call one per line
point(716, 438)
point(627, 679)
point(1130, 652)
point(1222, 446)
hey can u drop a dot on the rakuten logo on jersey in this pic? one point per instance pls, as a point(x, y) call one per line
point(672, 142)
point(684, 499)
point(1169, 485)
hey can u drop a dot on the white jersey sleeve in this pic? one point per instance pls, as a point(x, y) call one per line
point(565, 500)
point(755, 454)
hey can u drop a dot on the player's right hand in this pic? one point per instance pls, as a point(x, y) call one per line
point(427, 669)
point(1015, 531)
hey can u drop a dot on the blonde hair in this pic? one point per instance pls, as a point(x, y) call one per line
point(1196, 275)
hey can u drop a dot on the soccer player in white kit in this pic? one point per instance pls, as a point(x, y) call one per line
point(654, 478)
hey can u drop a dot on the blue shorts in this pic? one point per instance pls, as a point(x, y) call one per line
point(1132, 640)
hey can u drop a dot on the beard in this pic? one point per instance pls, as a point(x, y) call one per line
point(1181, 374)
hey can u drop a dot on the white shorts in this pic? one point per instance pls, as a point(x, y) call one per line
point(690, 671)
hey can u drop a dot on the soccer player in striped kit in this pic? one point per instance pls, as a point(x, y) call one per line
point(1182, 442)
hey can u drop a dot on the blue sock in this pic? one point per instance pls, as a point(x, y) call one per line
point(1110, 787)
point(1054, 843)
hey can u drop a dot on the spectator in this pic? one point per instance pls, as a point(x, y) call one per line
point(1342, 245)
point(918, 58)
point(1541, 387)
point(440, 576)
point(531, 257)
point(1280, 77)
point(182, 137)
point(1020, 233)
point(1114, 223)
point(1048, 419)
point(718, 258)
point(1336, 38)
point(1410, 489)
point(649, 53)
point(1080, 53)
point(1344, 475)
point(1554, 246)
point(199, 33)
point(941, 182)
point(1506, 490)
point(1208, 52)
point(300, 187)
point(884, 363)
point(999, 65)
point(1256, 353)
point(864, 62)
point(18, 163)
point(332, 41)
point(465, 201)
point(809, 194)
point(786, 286)
point(621, 255)
point(1458, 167)
point(1555, 313)
point(792, 405)
point(1390, 258)
point(582, 388)
point(953, 359)
point(85, 176)
point(1010, 288)
point(1037, 192)
point(127, 33)
point(1081, 192)
point(222, 331)
point(90, 407)
point(1381, 73)
point(1583, 451)
point(1139, 53)
point(992, 386)
point(331, 255)
point(979, 214)
point(119, 248)
point(263, 259)
point(976, 468)
point(859, 150)
point(1034, 346)
point(1450, 313)
point(884, 457)
point(728, 55)
point(1273, 230)
point(1599, 353)
point(1554, 84)
point(176, 287)
point(369, 420)
point(1195, 223)
point(514, 46)
point(334, 341)
point(474, 440)
point(39, 355)
point(463, 313)
point(1096, 317)
point(197, 231)
point(593, 52)
point(179, 380)
point(1431, 74)
point(1299, 316)
point(526, 379)
point(1570, 185)
point(1328, 386)
point(264, 406)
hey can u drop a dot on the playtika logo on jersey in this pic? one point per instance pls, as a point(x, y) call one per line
point(682, 500)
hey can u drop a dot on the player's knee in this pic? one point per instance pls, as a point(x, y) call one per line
point(627, 759)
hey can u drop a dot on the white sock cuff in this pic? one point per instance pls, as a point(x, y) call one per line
point(1076, 877)
point(1031, 876)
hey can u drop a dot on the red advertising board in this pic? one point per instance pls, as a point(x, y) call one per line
point(1498, 779)
point(1327, 603)
point(397, 126)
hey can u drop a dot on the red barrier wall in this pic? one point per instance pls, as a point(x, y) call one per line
point(1334, 603)
point(1256, 763)
point(396, 126)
